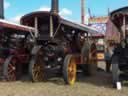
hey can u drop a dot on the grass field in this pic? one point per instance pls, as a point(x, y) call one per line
point(98, 85)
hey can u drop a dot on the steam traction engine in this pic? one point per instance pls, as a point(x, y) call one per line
point(120, 57)
point(15, 46)
point(58, 44)
point(14, 50)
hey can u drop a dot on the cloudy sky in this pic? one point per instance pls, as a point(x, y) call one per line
point(69, 9)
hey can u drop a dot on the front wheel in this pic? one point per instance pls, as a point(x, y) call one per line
point(36, 67)
point(69, 70)
point(9, 69)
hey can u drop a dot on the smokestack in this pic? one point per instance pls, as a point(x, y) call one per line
point(2, 9)
point(54, 7)
point(82, 11)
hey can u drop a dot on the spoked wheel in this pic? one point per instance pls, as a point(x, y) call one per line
point(36, 67)
point(92, 60)
point(115, 70)
point(69, 70)
point(85, 57)
point(9, 69)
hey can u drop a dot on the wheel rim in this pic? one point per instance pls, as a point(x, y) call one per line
point(38, 68)
point(92, 59)
point(85, 52)
point(72, 71)
point(11, 72)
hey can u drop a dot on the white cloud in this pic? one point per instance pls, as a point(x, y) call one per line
point(6, 4)
point(65, 12)
point(16, 19)
point(44, 8)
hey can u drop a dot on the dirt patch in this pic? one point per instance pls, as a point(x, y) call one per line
point(98, 85)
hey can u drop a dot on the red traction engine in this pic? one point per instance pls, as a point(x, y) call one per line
point(14, 50)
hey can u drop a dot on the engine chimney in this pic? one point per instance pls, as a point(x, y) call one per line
point(82, 11)
point(2, 9)
point(54, 7)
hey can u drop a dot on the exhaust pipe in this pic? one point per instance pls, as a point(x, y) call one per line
point(55, 7)
point(2, 9)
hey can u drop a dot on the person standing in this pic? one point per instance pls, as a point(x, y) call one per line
point(108, 55)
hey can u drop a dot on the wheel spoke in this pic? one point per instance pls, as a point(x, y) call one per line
point(37, 67)
point(72, 71)
point(11, 77)
point(11, 72)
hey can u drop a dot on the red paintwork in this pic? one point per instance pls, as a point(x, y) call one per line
point(2, 60)
point(112, 32)
point(21, 56)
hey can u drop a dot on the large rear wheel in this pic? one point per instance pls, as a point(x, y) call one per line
point(9, 69)
point(69, 70)
point(85, 57)
point(36, 67)
point(92, 60)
